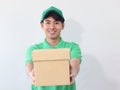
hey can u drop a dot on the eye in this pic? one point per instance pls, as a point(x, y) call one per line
point(47, 22)
point(57, 22)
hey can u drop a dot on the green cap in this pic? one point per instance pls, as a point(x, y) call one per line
point(52, 8)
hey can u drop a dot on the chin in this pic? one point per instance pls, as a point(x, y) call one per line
point(53, 38)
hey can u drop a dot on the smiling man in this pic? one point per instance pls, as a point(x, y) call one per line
point(52, 23)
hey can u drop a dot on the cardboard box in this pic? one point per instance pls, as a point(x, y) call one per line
point(51, 67)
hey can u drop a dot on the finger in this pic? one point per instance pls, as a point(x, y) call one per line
point(72, 75)
point(70, 67)
point(32, 75)
point(33, 82)
point(72, 79)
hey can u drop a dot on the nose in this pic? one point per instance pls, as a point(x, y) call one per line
point(52, 25)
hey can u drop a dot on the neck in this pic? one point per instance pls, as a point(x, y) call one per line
point(53, 42)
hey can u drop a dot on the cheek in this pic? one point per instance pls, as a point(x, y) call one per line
point(45, 28)
point(59, 27)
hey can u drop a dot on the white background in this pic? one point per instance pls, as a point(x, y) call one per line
point(93, 24)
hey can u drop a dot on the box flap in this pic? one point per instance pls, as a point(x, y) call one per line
point(51, 54)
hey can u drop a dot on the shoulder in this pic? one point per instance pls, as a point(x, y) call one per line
point(74, 47)
point(35, 46)
point(71, 44)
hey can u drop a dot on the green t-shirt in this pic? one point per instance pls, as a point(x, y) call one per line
point(75, 52)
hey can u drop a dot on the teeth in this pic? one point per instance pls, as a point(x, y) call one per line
point(52, 31)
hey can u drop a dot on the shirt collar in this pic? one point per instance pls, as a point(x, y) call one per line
point(47, 45)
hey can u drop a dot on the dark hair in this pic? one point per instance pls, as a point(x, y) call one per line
point(55, 15)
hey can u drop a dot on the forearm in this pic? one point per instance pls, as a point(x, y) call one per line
point(75, 64)
point(29, 67)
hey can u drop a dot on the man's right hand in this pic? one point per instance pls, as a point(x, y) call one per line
point(32, 77)
point(30, 71)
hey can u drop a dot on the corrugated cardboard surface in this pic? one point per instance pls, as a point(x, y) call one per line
point(51, 67)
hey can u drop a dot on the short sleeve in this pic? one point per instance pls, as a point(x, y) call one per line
point(29, 55)
point(76, 51)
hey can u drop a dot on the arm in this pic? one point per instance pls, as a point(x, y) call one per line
point(30, 71)
point(74, 68)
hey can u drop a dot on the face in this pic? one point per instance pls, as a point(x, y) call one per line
point(52, 28)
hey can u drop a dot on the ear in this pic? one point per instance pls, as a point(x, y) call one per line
point(41, 25)
point(63, 25)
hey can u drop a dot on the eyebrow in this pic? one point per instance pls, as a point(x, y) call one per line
point(47, 20)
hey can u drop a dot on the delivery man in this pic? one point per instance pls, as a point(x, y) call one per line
point(52, 23)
